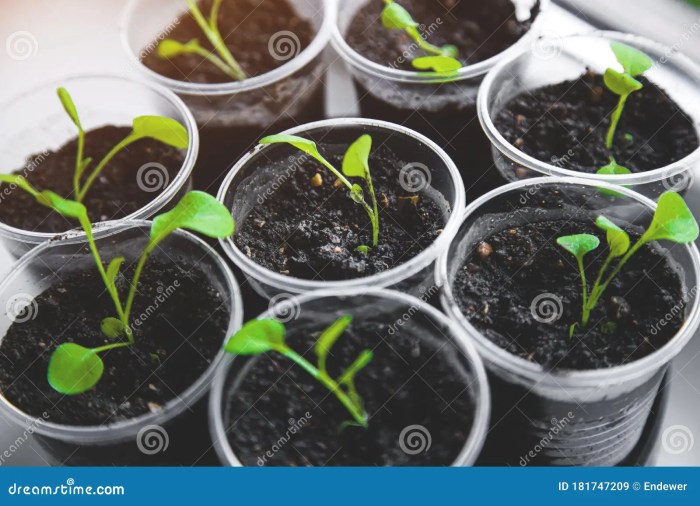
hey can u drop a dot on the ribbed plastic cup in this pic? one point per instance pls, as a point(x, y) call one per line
point(565, 417)
point(174, 435)
point(314, 311)
point(35, 122)
point(555, 60)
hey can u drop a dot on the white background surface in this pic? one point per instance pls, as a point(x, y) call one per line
point(81, 36)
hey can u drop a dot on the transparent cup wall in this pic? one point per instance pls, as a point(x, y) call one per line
point(183, 419)
point(554, 60)
point(428, 173)
point(35, 124)
point(316, 311)
point(585, 417)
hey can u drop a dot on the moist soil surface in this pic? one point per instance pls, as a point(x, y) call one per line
point(410, 381)
point(496, 287)
point(479, 29)
point(566, 124)
point(114, 194)
point(173, 346)
point(249, 29)
point(313, 232)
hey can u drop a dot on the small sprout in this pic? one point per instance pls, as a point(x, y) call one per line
point(355, 164)
point(634, 63)
point(74, 369)
point(672, 221)
point(613, 168)
point(165, 130)
point(223, 59)
point(441, 59)
point(261, 336)
point(364, 249)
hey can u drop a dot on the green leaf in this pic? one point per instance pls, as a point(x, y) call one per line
point(329, 336)
point(613, 168)
point(69, 106)
point(618, 239)
point(364, 249)
point(360, 363)
point(440, 64)
point(356, 159)
point(113, 269)
point(395, 17)
point(632, 60)
point(74, 369)
point(257, 336)
point(20, 182)
point(112, 327)
point(305, 145)
point(169, 48)
point(451, 51)
point(166, 130)
point(67, 208)
point(672, 221)
point(619, 83)
point(196, 211)
point(579, 244)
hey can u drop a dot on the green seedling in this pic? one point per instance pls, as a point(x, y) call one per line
point(440, 59)
point(221, 57)
point(672, 221)
point(634, 63)
point(261, 336)
point(165, 130)
point(74, 369)
point(355, 164)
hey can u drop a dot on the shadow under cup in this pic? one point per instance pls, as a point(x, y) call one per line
point(565, 417)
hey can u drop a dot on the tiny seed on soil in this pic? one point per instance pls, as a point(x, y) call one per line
point(384, 200)
point(337, 250)
point(413, 200)
point(259, 223)
point(484, 250)
point(317, 180)
point(337, 183)
point(519, 119)
point(519, 142)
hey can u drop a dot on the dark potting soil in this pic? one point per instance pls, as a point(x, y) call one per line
point(410, 381)
point(498, 286)
point(250, 30)
point(479, 29)
point(183, 325)
point(313, 232)
point(116, 193)
point(566, 124)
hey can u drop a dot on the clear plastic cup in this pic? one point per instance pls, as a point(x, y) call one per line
point(442, 109)
point(252, 178)
point(319, 309)
point(182, 421)
point(588, 417)
point(35, 122)
point(232, 116)
point(555, 60)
